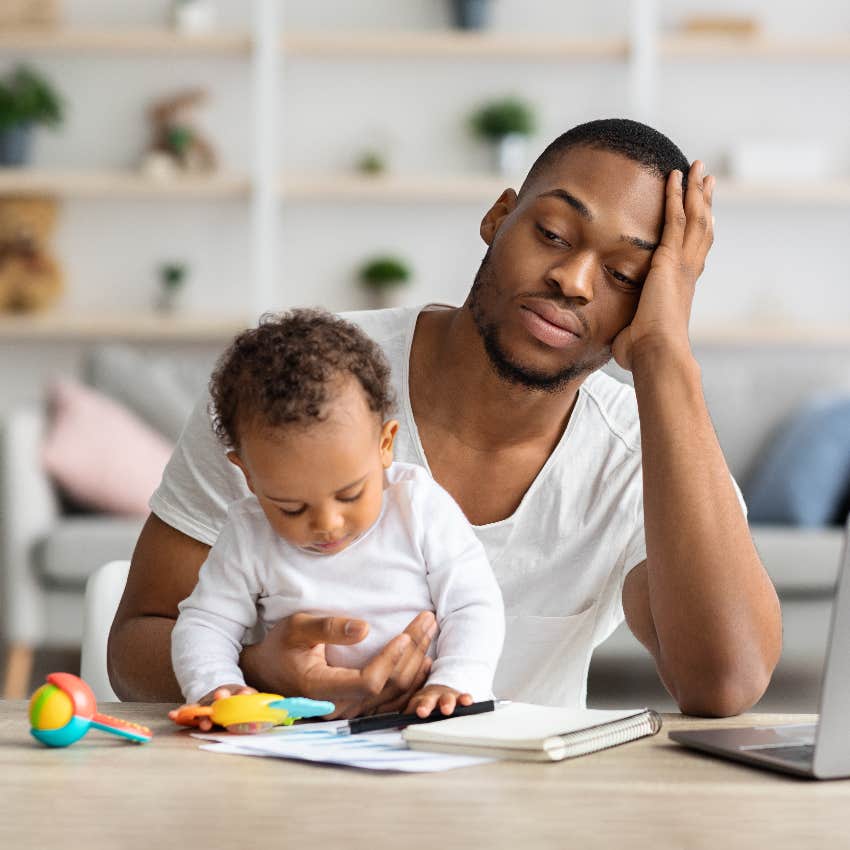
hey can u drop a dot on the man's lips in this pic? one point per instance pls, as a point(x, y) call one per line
point(560, 318)
point(551, 326)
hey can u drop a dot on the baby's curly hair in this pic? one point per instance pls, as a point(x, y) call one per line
point(283, 372)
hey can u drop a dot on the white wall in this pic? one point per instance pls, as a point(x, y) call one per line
point(770, 260)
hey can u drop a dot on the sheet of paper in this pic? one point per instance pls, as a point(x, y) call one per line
point(318, 743)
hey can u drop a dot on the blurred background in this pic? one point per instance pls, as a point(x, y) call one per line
point(169, 169)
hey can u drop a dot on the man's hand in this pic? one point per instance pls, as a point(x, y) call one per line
point(665, 302)
point(291, 661)
point(426, 700)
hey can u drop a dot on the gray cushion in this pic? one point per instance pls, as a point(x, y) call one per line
point(160, 389)
point(800, 561)
point(78, 545)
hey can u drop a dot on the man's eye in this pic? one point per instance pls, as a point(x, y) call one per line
point(293, 513)
point(350, 498)
point(550, 236)
point(623, 279)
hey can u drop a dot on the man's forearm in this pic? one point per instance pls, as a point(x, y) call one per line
point(714, 609)
point(139, 660)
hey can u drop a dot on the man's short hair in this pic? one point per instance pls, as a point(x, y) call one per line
point(287, 369)
point(631, 139)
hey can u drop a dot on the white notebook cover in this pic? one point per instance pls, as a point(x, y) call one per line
point(523, 730)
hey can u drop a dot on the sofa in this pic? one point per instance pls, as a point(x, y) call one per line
point(46, 552)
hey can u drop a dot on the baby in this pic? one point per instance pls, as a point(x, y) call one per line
point(302, 403)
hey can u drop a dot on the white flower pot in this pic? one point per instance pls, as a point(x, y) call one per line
point(512, 155)
point(193, 17)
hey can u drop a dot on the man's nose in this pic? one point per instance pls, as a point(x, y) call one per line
point(575, 275)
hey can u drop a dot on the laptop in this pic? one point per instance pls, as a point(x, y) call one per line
point(820, 750)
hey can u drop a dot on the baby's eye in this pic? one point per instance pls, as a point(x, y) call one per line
point(300, 511)
point(350, 498)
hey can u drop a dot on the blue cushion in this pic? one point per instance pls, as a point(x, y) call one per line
point(804, 475)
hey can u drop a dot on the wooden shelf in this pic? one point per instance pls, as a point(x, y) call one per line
point(120, 184)
point(448, 188)
point(141, 41)
point(151, 327)
point(771, 333)
point(753, 47)
point(804, 192)
point(452, 43)
point(393, 188)
point(356, 188)
point(141, 326)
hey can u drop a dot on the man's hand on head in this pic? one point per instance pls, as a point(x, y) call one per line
point(664, 309)
point(291, 661)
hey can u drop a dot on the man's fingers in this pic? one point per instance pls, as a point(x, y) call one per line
point(422, 629)
point(397, 704)
point(697, 214)
point(376, 673)
point(308, 630)
point(674, 213)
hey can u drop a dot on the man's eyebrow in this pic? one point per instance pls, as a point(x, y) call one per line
point(572, 200)
point(341, 490)
point(639, 243)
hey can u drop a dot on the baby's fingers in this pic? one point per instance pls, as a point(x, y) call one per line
point(447, 703)
point(423, 704)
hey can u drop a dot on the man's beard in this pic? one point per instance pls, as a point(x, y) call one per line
point(510, 370)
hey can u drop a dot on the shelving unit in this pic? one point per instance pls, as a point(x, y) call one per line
point(753, 47)
point(354, 188)
point(268, 185)
point(126, 185)
point(118, 41)
point(136, 326)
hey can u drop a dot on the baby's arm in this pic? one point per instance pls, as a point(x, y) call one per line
point(207, 638)
point(468, 603)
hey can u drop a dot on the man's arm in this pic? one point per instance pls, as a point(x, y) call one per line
point(290, 659)
point(702, 603)
point(163, 573)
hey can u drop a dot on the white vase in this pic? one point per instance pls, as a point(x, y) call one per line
point(384, 297)
point(512, 155)
point(193, 17)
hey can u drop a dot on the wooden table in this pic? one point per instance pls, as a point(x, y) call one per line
point(103, 793)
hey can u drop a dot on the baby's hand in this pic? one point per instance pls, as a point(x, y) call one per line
point(425, 701)
point(221, 692)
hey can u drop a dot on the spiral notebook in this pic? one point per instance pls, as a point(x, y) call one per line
point(534, 732)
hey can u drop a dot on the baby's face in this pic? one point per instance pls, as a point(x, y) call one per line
point(321, 486)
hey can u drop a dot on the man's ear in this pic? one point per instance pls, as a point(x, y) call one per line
point(493, 218)
point(388, 432)
point(237, 461)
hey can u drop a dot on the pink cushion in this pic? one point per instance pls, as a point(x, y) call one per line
point(100, 453)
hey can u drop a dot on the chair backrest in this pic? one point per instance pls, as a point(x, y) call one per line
point(104, 589)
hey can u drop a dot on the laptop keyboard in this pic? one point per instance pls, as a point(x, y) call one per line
point(801, 754)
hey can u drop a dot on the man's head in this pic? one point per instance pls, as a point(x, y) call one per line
point(302, 401)
point(567, 257)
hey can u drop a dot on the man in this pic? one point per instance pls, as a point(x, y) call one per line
point(593, 501)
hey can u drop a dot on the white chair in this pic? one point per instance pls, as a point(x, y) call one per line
point(104, 588)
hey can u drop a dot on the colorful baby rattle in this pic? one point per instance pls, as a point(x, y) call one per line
point(64, 709)
point(249, 713)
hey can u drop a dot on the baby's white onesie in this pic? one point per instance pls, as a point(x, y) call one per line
point(420, 555)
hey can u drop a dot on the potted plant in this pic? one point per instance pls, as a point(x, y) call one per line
point(506, 124)
point(471, 14)
point(384, 278)
point(26, 99)
point(172, 278)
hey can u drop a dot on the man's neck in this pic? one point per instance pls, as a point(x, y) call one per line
point(454, 386)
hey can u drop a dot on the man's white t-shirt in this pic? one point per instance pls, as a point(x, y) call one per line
point(560, 559)
point(419, 555)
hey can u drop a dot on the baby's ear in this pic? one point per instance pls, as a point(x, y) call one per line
point(388, 432)
point(237, 461)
